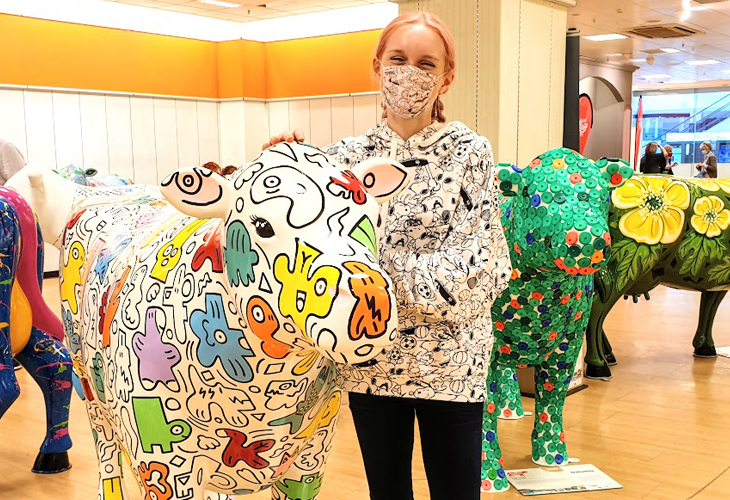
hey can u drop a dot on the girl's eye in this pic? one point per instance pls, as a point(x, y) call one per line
point(397, 59)
point(428, 64)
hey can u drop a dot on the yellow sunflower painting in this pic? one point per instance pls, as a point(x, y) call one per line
point(657, 204)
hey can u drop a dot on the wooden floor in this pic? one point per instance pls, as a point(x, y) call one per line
point(661, 427)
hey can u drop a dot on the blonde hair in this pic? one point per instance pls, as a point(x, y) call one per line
point(437, 25)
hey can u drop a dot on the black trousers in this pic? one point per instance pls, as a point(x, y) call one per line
point(451, 436)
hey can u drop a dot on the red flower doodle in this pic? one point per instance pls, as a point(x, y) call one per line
point(235, 450)
point(352, 186)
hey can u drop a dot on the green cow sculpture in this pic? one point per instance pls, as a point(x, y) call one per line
point(665, 230)
point(555, 216)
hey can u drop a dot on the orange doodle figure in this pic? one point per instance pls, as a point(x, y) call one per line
point(264, 324)
point(372, 311)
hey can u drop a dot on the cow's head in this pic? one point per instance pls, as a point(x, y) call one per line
point(558, 217)
point(299, 242)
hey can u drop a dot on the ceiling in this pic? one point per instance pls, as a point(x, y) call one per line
point(249, 10)
point(596, 17)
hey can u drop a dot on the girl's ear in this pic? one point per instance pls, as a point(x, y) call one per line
point(448, 80)
point(376, 67)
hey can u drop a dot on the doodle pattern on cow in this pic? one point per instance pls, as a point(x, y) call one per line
point(205, 319)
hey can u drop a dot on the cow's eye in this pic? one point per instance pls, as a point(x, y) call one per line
point(263, 227)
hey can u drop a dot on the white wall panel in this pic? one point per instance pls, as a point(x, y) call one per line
point(119, 134)
point(143, 140)
point(67, 130)
point(39, 128)
point(12, 119)
point(257, 129)
point(208, 139)
point(278, 117)
point(94, 133)
point(342, 118)
point(233, 133)
point(321, 118)
point(187, 133)
point(300, 116)
point(364, 113)
point(165, 137)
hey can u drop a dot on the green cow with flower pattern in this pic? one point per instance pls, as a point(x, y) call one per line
point(665, 230)
point(555, 217)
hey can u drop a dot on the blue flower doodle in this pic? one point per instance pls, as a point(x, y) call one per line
point(219, 341)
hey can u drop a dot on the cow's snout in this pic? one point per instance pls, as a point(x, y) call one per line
point(363, 318)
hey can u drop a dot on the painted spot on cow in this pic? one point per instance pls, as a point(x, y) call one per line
point(372, 311)
point(71, 276)
point(237, 451)
point(154, 480)
point(305, 292)
point(264, 324)
point(153, 428)
point(240, 257)
point(364, 233)
point(218, 341)
point(168, 256)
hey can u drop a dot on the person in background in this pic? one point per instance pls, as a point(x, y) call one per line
point(445, 250)
point(708, 167)
point(11, 160)
point(668, 169)
point(653, 162)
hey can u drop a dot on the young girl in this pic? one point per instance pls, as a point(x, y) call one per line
point(445, 251)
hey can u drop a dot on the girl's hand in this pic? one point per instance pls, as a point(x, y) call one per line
point(297, 135)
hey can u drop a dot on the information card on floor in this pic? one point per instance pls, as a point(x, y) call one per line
point(571, 478)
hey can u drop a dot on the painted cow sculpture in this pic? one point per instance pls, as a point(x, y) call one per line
point(555, 217)
point(204, 323)
point(666, 230)
point(89, 177)
point(30, 332)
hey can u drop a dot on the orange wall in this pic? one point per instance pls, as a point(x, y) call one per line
point(54, 54)
point(335, 64)
point(45, 53)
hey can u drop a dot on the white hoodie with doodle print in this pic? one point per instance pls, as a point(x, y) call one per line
point(444, 248)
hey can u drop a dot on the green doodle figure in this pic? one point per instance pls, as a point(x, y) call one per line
point(307, 488)
point(312, 396)
point(98, 376)
point(555, 217)
point(153, 427)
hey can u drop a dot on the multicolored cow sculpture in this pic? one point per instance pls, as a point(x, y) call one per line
point(30, 332)
point(666, 230)
point(205, 323)
point(555, 216)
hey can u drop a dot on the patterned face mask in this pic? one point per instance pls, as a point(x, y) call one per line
point(407, 89)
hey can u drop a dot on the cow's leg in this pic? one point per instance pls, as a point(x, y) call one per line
point(608, 354)
point(552, 378)
point(509, 401)
point(703, 343)
point(304, 464)
point(108, 453)
point(596, 362)
point(9, 388)
point(493, 476)
point(49, 363)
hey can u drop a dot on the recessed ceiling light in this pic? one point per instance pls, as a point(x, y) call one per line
point(725, 71)
point(637, 60)
point(219, 3)
point(703, 62)
point(615, 54)
point(696, 9)
point(605, 38)
point(654, 77)
point(670, 50)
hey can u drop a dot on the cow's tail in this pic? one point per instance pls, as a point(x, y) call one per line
point(29, 275)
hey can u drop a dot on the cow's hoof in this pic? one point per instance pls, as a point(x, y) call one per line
point(611, 359)
point(705, 352)
point(598, 372)
point(51, 463)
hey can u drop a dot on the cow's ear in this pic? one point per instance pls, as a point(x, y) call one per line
point(615, 171)
point(509, 179)
point(383, 178)
point(199, 192)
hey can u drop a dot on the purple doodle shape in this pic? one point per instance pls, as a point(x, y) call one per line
point(156, 358)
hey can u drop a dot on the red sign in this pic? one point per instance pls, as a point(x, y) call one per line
point(585, 120)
